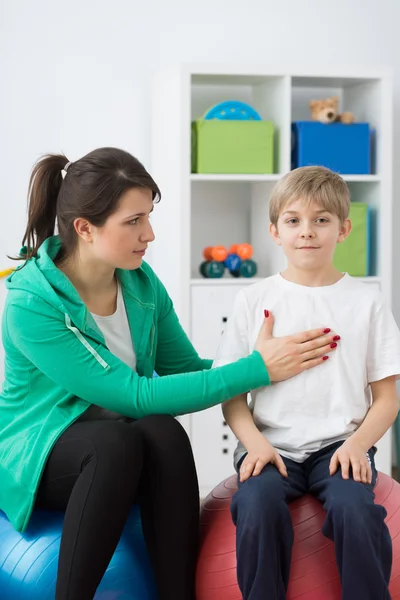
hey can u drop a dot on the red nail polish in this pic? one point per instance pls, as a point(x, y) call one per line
point(327, 330)
point(333, 345)
point(336, 338)
point(325, 357)
point(266, 313)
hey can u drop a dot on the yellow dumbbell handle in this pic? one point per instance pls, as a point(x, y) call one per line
point(6, 272)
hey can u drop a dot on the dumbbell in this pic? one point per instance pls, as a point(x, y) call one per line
point(232, 263)
point(212, 269)
point(248, 268)
point(217, 253)
point(244, 251)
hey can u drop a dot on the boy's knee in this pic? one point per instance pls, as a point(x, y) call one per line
point(356, 507)
point(258, 500)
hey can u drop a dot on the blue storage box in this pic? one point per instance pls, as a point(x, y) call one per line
point(342, 148)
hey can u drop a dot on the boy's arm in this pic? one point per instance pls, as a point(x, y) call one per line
point(239, 418)
point(259, 451)
point(382, 367)
point(381, 415)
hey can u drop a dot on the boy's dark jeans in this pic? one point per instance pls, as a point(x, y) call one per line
point(264, 532)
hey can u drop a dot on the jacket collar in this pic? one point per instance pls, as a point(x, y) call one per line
point(137, 291)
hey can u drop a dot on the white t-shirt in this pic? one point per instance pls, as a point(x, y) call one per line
point(116, 332)
point(328, 403)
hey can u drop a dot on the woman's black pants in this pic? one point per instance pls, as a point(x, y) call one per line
point(95, 472)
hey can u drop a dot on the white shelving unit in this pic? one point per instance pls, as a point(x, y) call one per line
point(199, 210)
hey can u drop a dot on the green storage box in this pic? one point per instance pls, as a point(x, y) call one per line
point(352, 256)
point(220, 146)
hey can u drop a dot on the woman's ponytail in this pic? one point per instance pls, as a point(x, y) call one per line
point(44, 187)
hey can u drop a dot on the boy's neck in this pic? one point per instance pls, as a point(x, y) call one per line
point(312, 278)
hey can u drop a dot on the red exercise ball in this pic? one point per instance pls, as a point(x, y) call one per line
point(314, 575)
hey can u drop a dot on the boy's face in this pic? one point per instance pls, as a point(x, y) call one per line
point(308, 234)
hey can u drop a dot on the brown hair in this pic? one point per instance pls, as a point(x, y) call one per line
point(91, 189)
point(309, 184)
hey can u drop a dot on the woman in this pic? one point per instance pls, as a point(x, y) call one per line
point(83, 425)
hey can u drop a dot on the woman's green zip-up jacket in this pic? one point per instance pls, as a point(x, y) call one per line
point(57, 364)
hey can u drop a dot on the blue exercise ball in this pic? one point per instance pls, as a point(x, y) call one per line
point(28, 561)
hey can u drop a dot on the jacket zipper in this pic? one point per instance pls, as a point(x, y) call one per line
point(84, 341)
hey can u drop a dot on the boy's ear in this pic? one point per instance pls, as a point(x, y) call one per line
point(273, 230)
point(344, 231)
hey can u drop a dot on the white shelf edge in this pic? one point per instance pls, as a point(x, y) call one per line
point(345, 71)
point(272, 177)
point(194, 281)
point(233, 178)
point(370, 279)
point(227, 280)
point(362, 178)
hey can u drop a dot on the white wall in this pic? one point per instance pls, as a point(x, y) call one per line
point(76, 75)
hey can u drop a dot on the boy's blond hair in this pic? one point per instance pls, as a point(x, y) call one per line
point(309, 184)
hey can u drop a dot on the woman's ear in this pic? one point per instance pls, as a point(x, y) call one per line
point(84, 229)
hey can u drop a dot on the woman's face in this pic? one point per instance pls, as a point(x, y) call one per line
point(123, 240)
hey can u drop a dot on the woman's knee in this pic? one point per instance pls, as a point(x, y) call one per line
point(164, 431)
point(115, 442)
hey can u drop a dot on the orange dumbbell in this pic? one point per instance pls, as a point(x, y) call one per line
point(218, 253)
point(244, 251)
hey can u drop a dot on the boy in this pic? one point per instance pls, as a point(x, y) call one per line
point(315, 432)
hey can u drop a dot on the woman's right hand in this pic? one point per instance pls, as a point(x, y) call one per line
point(287, 356)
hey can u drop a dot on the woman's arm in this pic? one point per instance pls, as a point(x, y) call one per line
point(89, 371)
point(175, 352)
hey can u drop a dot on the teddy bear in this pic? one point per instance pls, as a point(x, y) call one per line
point(327, 111)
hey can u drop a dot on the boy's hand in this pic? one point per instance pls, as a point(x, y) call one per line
point(258, 456)
point(352, 454)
